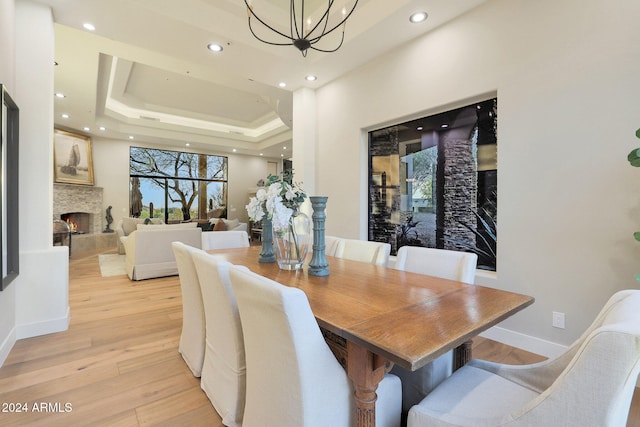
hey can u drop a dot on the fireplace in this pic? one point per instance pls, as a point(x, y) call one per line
point(79, 199)
point(78, 222)
point(81, 207)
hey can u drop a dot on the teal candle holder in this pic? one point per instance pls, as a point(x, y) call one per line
point(318, 266)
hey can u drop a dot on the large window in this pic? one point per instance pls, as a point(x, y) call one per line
point(433, 182)
point(176, 186)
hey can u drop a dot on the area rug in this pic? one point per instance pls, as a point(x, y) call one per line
point(112, 265)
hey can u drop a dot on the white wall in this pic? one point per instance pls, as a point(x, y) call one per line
point(42, 302)
point(37, 301)
point(111, 172)
point(7, 78)
point(566, 77)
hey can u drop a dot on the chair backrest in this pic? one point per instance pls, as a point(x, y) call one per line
point(453, 265)
point(192, 339)
point(331, 245)
point(224, 240)
point(600, 379)
point(224, 371)
point(364, 251)
point(293, 377)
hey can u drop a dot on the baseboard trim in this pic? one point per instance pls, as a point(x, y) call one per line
point(525, 342)
point(7, 345)
point(42, 328)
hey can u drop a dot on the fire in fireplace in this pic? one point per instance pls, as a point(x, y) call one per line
point(78, 222)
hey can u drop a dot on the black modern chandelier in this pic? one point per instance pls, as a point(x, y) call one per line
point(303, 33)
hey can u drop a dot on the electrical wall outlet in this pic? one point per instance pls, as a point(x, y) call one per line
point(558, 320)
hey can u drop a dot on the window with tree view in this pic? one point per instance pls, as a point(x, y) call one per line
point(176, 186)
point(433, 182)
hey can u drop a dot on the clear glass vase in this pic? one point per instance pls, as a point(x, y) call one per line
point(292, 243)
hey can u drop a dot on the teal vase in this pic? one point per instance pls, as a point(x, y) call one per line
point(266, 251)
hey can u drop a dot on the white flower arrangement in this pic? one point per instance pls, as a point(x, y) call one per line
point(278, 202)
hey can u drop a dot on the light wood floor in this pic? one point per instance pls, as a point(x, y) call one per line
point(118, 364)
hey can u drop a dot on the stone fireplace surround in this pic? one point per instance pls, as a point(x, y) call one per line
point(70, 198)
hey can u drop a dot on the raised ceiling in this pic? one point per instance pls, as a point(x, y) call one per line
point(146, 72)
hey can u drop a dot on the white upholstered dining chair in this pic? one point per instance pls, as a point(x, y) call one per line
point(331, 244)
point(191, 345)
point(364, 251)
point(223, 376)
point(293, 378)
point(446, 264)
point(224, 239)
point(591, 384)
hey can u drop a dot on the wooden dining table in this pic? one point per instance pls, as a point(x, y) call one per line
point(373, 317)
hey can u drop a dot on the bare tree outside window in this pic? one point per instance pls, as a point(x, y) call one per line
point(194, 182)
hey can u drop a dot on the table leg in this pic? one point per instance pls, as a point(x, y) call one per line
point(462, 355)
point(366, 370)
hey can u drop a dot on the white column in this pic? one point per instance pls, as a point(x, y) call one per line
point(42, 287)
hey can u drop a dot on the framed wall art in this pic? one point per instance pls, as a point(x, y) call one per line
point(9, 212)
point(73, 162)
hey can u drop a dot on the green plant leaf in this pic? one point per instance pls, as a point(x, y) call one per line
point(638, 133)
point(634, 157)
point(636, 235)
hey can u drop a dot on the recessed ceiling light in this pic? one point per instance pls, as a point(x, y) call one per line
point(65, 116)
point(419, 128)
point(281, 155)
point(234, 150)
point(215, 47)
point(60, 95)
point(282, 84)
point(88, 26)
point(311, 78)
point(86, 128)
point(102, 128)
point(130, 136)
point(261, 154)
point(187, 144)
point(444, 126)
point(418, 17)
point(284, 148)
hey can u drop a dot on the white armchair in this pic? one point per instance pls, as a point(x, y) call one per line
point(293, 377)
point(591, 384)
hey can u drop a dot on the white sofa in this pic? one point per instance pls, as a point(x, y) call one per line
point(148, 249)
point(230, 224)
point(128, 225)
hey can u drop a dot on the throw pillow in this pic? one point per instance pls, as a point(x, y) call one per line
point(232, 223)
point(220, 226)
point(129, 225)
